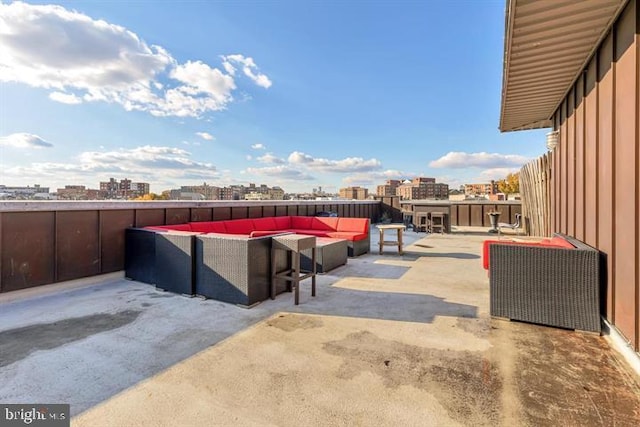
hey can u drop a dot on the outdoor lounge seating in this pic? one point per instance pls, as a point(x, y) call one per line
point(228, 260)
point(555, 282)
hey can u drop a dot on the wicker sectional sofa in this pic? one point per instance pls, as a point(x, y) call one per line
point(226, 260)
point(555, 282)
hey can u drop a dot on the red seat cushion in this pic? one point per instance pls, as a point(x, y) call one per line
point(239, 226)
point(347, 235)
point(310, 232)
point(360, 225)
point(209, 226)
point(324, 223)
point(556, 242)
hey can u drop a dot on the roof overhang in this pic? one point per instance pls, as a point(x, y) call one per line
point(547, 45)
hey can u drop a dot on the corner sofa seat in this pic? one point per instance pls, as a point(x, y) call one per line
point(226, 260)
point(555, 282)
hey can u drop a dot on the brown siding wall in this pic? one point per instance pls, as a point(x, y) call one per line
point(596, 168)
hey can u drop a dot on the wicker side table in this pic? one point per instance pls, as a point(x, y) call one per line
point(294, 244)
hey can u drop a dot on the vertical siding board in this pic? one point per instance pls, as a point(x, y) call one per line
point(571, 164)
point(591, 157)
point(625, 158)
point(562, 154)
point(579, 162)
point(605, 168)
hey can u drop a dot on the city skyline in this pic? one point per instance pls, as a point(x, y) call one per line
point(228, 93)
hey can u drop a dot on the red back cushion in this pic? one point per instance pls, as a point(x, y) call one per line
point(328, 223)
point(301, 222)
point(360, 225)
point(239, 226)
point(208, 226)
point(282, 222)
point(264, 224)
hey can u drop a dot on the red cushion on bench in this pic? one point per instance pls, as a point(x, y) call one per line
point(347, 235)
point(559, 241)
point(282, 222)
point(239, 226)
point(263, 224)
point(360, 225)
point(324, 223)
point(301, 222)
point(209, 226)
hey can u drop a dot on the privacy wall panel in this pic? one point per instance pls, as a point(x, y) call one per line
point(596, 169)
point(625, 161)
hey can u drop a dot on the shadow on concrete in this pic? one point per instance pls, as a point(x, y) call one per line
point(18, 343)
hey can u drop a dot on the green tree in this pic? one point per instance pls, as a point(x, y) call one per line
point(511, 184)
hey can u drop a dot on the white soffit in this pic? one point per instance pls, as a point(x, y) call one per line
point(547, 45)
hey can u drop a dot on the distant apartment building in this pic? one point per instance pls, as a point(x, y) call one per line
point(389, 188)
point(22, 193)
point(422, 188)
point(200, 192)
point(276, 193)
point(73, 192)
point(123, 189)
point(357, 193)
point(481, 189)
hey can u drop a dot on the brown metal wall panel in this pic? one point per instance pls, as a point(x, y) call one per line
point(625, 173)
point(463, 215)
point(145, 217)
point(77, 244)
point(476, 215)
point(605, 167)
point(341, 210)
point(579, 160)
point(571, 165)
point(177, 215)
point(292, 210)
point(255, 211)
point(302, 210)
point(222, 213)
point(504, 213)
point(28, 249)
point(591, 157)
point(112, 226)
point(281, 211)
point(562, 154)
point(201, 214)
point(453, 214)
point(239, 212)
point(269, 211)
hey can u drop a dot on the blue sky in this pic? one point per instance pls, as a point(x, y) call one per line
point(298, 94)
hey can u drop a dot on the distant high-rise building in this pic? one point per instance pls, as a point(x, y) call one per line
point(124, 189)
point(422, 188)
point(357, 193)
point(388, 189)
point(483, 189)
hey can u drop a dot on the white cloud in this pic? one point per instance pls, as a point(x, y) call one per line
point(258, 146)
point(24, 140)
point(496, 174)
point(460, 160)
point(151, 164)
point(270, 158)
point(249, 68)
point(349, 164)
point(205, 135)
point(86, 60)
point(376, 178)
point(282, 172)
point(65, 98)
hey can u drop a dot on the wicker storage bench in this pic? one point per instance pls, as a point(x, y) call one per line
point(548, 285)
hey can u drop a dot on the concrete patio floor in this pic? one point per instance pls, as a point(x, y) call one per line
point(388, 340)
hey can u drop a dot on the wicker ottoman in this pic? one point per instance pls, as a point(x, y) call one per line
point(330, 253)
